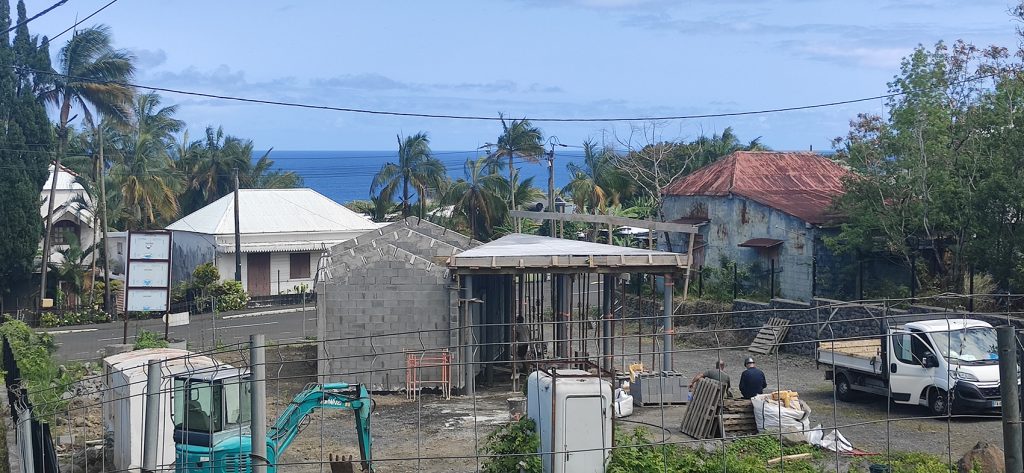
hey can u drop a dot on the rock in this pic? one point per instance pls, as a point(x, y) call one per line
point(983, 457)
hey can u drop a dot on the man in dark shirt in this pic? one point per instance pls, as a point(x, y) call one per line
point(752, 381)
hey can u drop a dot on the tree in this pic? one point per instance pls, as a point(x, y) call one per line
point(596, 183)
point(24, 155)
point(92, 73)
point(143, 170)
point(519, 139)
point(416, 168)
point(478, 198)
point(72, 268)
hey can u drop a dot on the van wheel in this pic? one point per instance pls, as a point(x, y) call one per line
point(843, 390)
point(938, 402)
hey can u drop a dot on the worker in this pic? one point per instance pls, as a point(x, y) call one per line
point(752, 381)
point(716, 374)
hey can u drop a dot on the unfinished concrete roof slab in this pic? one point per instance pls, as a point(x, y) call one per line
point(530, 253)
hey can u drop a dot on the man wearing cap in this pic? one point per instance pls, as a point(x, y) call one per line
point(752, 381)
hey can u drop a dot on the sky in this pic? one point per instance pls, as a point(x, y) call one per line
point(526, 58)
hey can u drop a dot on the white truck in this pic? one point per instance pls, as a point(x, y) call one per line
point(920, 363)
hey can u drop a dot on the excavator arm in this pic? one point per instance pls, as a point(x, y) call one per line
point(324, 396)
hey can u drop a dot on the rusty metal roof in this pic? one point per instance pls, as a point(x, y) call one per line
point(761, 243)
point(802, 184)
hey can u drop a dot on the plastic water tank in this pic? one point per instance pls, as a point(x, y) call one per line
point(573, 412)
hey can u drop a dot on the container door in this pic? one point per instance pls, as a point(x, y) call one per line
point(583, 434)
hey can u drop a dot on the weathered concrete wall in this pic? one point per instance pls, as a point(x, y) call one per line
point(389, 293)
point(734, 220)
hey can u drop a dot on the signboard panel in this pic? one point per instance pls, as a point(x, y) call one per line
point(148, 274)
point(174, 320)
point(146, 300)
point(146, 246)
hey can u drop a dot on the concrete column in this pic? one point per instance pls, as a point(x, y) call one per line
point(666, 324)
point(561, 305)
point(258, 372)
point(467, 339)
point(606, 324)
point(151, 432)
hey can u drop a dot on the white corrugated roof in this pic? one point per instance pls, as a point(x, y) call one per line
point(66, 179)
point(273, 211)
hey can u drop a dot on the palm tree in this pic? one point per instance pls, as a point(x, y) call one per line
point(519, 138)
point(596, 183)
point(477, 197)
point(416, 168)
point(72, 270)
point(143, 169)
point(92, 73)
point(262, 175)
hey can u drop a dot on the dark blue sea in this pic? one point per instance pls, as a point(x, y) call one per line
point(346, 175)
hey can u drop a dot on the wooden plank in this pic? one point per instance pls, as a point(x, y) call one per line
point(607, 220)
point(796, 456)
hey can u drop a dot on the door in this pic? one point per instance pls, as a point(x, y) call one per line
point(258, 266)
point(907, 375)
point(583, 434)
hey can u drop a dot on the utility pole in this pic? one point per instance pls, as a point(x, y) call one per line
point(551, 188)
point(151, 434)
point(110, 309)
point(258, 396)
point(1006, 344)
point(238, 242)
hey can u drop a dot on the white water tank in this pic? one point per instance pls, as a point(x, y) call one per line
point(124, 400)
point(573, 412)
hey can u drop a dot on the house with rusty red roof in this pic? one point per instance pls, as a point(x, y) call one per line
point(760, 208)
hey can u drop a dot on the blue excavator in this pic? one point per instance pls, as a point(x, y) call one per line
point(212, 419)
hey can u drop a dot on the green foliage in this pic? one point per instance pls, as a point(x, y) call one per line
point(911, 462)
point(718, 281)
point(520, 441)
point(231, 296)
point(80, 316)
point(634, 453)
point(146, 339)
point(417, 170)
point(206, 283)
point(44, 380)
point(205, 276)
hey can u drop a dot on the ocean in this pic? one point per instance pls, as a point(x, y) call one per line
point(344, 176)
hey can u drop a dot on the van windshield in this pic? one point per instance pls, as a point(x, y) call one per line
point(976, 344)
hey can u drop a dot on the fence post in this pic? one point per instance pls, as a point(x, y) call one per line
point(700, 282)
point(970, 287)
point(814, 277)
point(1008, 388)
point(771, 290)
point(151, 432)
point(913, 278)
point(257, 356)
point(860, 279)
point(735, 281)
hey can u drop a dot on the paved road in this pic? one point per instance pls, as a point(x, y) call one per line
point(84, 342)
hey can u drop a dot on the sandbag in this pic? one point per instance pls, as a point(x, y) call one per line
point(774, 418)
point(623, 403)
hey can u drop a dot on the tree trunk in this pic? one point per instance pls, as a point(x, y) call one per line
point(107, 305)
point(62, 132)
point(405, 196)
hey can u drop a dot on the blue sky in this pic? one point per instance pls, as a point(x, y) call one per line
point(533, 58)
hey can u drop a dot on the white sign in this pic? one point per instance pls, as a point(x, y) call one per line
point(146, 300)
point(148, 273)
point(174, 320)
point(149, 246)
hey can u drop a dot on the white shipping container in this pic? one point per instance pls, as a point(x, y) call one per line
point(573, 413)
point(124, 400)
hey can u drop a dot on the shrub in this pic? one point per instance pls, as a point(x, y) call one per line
point(45, 382)
point(146, 339)
point(231, 296)
point(205, 283)
point(48, 320)
point(518, 440)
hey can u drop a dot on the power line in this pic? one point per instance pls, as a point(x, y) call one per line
point(37, 15)
point(104, 7)
point(486, 118)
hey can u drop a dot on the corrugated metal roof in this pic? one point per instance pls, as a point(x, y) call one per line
point(760, 243)
point(274, 211)
point(65, 181)
point(518, 244)
point(802, 184)
point(519, 252)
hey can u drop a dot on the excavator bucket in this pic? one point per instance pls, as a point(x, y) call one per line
point(342, 464)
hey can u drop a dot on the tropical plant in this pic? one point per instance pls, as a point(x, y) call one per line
point(147, 339)
point(478, 198)
point(92, 73)
point(143, 171)
point(72, 270)
point(416, 168)
point(596, 183)
point(519, 139)
point(514, 448)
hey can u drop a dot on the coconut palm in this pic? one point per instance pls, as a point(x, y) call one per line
point(519, 139)
point(143, 170)
point(596, 183)
point(478, 197)
point(415, 169)
point(262, 174)
point(91, 73)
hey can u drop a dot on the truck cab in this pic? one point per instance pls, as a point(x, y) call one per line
point(941, 364)
point(212, 413)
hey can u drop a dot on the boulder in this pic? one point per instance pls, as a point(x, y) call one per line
point(983, 457)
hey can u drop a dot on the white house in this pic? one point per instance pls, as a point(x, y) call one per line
point(283, 234)
point(72, 213)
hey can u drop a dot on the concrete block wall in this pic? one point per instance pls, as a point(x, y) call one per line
point(386, 297)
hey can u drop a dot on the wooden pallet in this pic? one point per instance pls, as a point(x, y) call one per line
point(701, 417)
point(736, 419)
point(770, 335)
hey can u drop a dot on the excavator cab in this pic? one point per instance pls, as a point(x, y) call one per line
point(212, 412)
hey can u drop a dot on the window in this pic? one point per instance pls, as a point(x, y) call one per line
point(196, 406)
point(299, 265)
point(61, 230)
point(910, 348)
point(238, 401)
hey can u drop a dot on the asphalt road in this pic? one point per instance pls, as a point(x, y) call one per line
point(283, 324)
